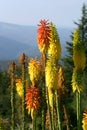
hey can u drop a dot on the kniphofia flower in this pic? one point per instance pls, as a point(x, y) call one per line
point(84, 120)
point(77, 81)
point(19, 87)
point(34, 70)
point(54, 49)
point(51, 95)
point(51, 72)
point(43, 37)
point(79, 56)
point(62, 90)
point(32, 100)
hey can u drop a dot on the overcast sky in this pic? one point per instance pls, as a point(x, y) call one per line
point(30, 12)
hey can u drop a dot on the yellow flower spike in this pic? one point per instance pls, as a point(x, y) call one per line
point(51, 94)
point(19, 87)
point(51, 72)
point(79, 56)
point(34, 70)
point(54, 49)
point(77, 38)
point(84, 120)
point(62, 89)
point(77, 81)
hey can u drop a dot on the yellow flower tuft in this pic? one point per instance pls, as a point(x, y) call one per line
point(84, 120)
point(62, 89)
point(77, 81)
point(43, 48)
point(34, 70)
point(77, 38)
point(54, 49)
point(79, 56)
point(51, 72)
point(19, 87)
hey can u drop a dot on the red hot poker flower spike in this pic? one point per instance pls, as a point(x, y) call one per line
point(32, 99)
point(43, 37)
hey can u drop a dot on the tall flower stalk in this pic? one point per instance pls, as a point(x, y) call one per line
point(79, 59)
point(33, 94)
point(22, 61)
point(54, 54)
point(62, 92)
point(33, 103)
point(43, 39)
point(12, 68)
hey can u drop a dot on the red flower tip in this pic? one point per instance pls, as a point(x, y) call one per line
point(43, 37)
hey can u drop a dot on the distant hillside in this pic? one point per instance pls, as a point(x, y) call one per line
point(11, 49)
point(23, 34)
point(18, 39)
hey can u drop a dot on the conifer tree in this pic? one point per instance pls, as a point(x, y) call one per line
point(82, 25)
point(67, 60)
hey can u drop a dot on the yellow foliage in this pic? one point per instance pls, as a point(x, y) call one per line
point(84, 120)
point(77, 81)
point(79, 56)
point(19, 87)
point(34, 70)
point(51, 72)
point(54, 49)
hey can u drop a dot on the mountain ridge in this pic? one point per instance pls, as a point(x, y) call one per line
point(19, 39)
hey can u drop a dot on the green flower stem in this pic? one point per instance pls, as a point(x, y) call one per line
point(53, 126)
point(44, 94)
point(44, 107)
point(43, 119)
point(12, 68)
point(58, 111)
point(49, 111)
point(13, 103)
point(34, 122)
point(23, 96)
point(66, 117)
point(78, 99)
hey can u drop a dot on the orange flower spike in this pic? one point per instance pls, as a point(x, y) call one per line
point(43, 37)
point(32, 99)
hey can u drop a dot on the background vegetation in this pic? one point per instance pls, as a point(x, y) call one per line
point(67, 63)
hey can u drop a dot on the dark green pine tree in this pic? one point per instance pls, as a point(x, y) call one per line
point(5, 109)
point(68, 62)
point(82, 25)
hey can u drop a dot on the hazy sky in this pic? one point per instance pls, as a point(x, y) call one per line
point(30, 12)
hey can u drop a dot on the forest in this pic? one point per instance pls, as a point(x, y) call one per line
point(48, 92)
